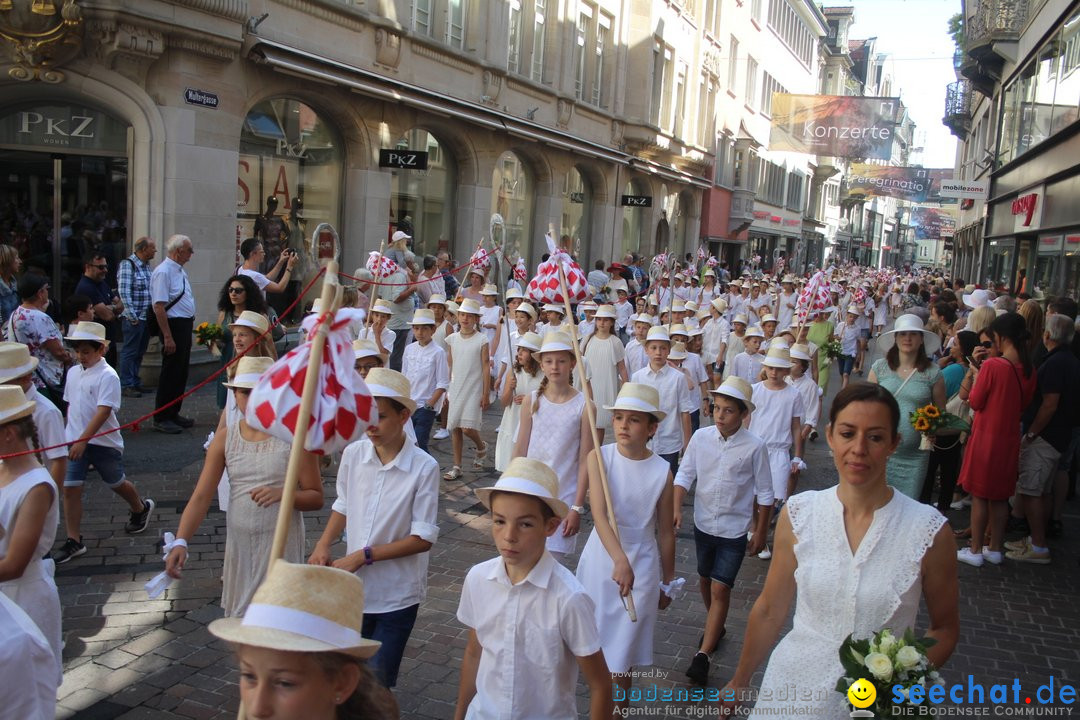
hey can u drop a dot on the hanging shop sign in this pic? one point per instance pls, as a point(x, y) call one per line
point(636, 201)
point(1027, 211)
point(403, 159)
point(60, 127)
point(965, 189)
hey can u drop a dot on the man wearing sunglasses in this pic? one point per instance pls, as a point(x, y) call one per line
point(107, 304)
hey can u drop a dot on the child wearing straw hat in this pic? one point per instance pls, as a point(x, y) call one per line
point(524, 378)
point(642, 560)
point(470, 382)
point(92, 391)
point(747, 364)
point(383, 337)
point(17, 367)
point(300, 650)
point(802, 379)
point(254, 461)
point(30, 683)
point(443, 327)
point(605, 363)
point(29, 513)
point(634, 354)
point(388, 506)
point(778, 421)
point(531, 623)
point(491, 317)
point(673, 386)
point(524, 315)
point(424, 364)
point(554, 428)
point(847, 333)
point(714, 342)
point(735, 343)
point(730, 465)
point(248, 336)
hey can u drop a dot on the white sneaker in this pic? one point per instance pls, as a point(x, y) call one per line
point(994, 557)
point(441, 434)
point(969, 558)
point(765, 554)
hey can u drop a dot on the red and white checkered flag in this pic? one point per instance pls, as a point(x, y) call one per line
point(343, 407)
point(481, 260)
point(520, 272)
point(380, 265)
point(544, 288)
point(815, 297)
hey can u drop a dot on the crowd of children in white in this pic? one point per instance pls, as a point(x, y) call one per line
point(660, 366)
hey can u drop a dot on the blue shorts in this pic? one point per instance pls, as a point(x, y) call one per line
point(109, 462)
point(719, 558)
point(865, 334)
point(845, 363)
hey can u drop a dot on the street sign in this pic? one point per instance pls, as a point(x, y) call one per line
point(200, 98)
point(403, 159)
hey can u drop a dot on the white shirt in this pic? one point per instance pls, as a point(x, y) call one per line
point(635, 357)
point(811, 397)
point(747, 366)
point(531, 634)
point(387, 336)
point(847, 334)
point(696, 368)
point(384, 503)
point(771, 420)
point(674, 396)
point(260, 280)
point(30, 674)
point(169, 281)
point(716, 332)
point(86, 390)
point(50, 424)
point(730, 473)
point(623, 311)
point(427, 370)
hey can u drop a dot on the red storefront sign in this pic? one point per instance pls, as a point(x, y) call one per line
point(1025, 205)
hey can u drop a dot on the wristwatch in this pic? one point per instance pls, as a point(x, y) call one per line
point(579, 509)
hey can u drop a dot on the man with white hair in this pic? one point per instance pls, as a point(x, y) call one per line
point(174, 308)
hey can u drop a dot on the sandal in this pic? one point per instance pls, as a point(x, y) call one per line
point(453, 473)
point(481, 455)
point(964, 534)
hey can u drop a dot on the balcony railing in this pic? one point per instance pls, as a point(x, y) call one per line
point(995, 20)
point(958, 108)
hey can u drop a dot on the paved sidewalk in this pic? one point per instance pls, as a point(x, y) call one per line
point(130, 657)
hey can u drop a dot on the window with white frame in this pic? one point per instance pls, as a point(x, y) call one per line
point(706, 110)
point(580, 39)
point(710, 18)
point(422, 17)
point(603, 47)
point(678, 121)
point(751, 82)
point(769, 85)
point(722, 170)
point(788, 25)
point(733, 64)
point(663, 85)
point(513, 49)
point(539, 33)
point(755, 9)
point(455, 24)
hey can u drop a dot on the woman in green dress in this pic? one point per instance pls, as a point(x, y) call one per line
point(915, 381)
point(821, 332)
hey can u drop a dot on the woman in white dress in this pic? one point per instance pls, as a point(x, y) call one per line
point(255, 462)
point(642, 496)
point(861, 555)
point(604, 357)
point(525, 376)
point(555, 430)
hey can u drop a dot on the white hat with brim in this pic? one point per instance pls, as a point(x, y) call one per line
point(678, 351)
point(800, 352)
point(678, 329)
point(390, 384)
point(380, 306)
point(514, 294)
point(606, 311)
point(527, 476)
point(639, 397)
point(365, 349)
point(451, 307)
point(736, 387)
point(88, 331)
point(437, 299)
point(754, 331)
point(303, 608)
point(778, 357)
point(526, 308)
point(470, 306)
point(15, 361)
point(248, 372)
point(489, 289)
point(13, 404)
point(530, 341)
point(645, 318)
point(741, 318)
point(909, 323)
point(719, 304)
point(556, 341)
point(768, 317)
point(977, 299)
point(553, 307)
point(253, 320)
point(422, 317)
point(658, 333)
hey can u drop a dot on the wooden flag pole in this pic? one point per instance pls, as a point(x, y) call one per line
point(374, 288)
point(590, 411)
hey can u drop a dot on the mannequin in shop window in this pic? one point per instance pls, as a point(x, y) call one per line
point(273, 231)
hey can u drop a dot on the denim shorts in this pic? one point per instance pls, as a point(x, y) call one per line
point(719, 558)
point(865, 333)
point(845, 363)
point(109, 462)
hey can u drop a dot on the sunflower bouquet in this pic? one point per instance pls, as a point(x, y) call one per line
point(929, 420)
point(209, 334)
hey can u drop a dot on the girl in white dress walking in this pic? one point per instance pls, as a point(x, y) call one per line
point(644, 563)
point(605, 366)
point(525, 376)
point(467, 352)
point(555, 430)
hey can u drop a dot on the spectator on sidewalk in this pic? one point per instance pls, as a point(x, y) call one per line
point(174, 307)
point(133, 280)
point(107, 305)
point(93, 395)
point(30, 326)
point(10, 264)
point(254, 255)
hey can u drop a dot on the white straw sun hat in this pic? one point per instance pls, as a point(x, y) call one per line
point(13, 404)
point(248, 372)
point(556, 341)
point(736, 387)
point(530, 341)
point(527, 476)
point(778, 357)
point(639, 397)
point(390, 384)
point(15, 361)
point(91, 331)
point(251, 319)
point(910, 323)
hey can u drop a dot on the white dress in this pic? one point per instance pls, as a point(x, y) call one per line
point(508, 428)
point(734, 347)
point(466, 380)
point(555, 440)
point(601, 359)
point(787, 310)
point(35, 592)
point(841, 593)
point(635, 486)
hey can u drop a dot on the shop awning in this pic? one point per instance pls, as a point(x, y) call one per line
point(307, 65)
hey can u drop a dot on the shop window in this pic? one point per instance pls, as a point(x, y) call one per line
point(512, 198)
point(576, 213)
point(421, 201)
point(633, 220)
point(288, 180)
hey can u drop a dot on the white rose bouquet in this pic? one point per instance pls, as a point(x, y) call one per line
point(886, 661)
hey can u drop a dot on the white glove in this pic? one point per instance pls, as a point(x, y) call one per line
point(161, 582)
point(797, 464)
point(674, 589)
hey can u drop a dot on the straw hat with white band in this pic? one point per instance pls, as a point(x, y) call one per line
point(741, 318)
point(89, 331)
point(437, 299)
point(778, 357)
point(251, 319)
point(15, 361)
point(451, 307)
point(13, 404)
point(390, 384)
point(679, 329)
point(530, 341)
point(248, 372)
point(639, 397)
point(382, 306)
point(767, 317)
point(800, 352)
point(514, 294)
point(736, 387)
point(910, 323)
point(678, 351)
point(645, 318)
point(489, 289)
point(658, 333)
point(422, 316)
point(365, 349)
point(719, 304)
point(526, 308)
point(691, 306)
point(303, 608)
point(526, 476)
point(606, 311)
point(469, 306)
point(556, 341)
point(754, 331)
point(552, 307)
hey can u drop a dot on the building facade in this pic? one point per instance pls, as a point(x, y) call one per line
point(226, 119)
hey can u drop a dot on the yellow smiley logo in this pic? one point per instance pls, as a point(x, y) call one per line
point(862, 693)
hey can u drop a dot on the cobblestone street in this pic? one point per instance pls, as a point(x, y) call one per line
point(130, 657)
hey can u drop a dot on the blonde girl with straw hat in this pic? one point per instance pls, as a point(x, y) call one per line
point(524, 378)
point(643, 564)
point(605, 362)
point(29, 513)
point(468, 354)
point(555, 430)
point(299, 649)
point(254, 461)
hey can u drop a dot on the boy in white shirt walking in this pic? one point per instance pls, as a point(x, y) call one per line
point(388, 502)
point(531, 623)
point(635, 349)
point(673, 434)
point(424, 365)
point(92, 392)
